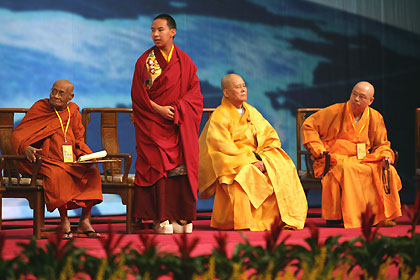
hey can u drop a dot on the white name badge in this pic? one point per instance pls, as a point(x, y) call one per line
point(67, 153)
point(361, 150)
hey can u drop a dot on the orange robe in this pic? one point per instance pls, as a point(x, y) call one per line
point(244, 196)
point(72, 185)
point(352, 183)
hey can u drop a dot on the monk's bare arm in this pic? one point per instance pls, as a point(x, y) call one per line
point(166, 112)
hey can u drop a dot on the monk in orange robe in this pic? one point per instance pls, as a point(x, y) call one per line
point(52, 129)
point(241, 161)
point(356, 137)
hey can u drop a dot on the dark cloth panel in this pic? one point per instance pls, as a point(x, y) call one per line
point(168, 199)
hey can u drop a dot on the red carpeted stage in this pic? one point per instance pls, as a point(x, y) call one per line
point(202, 230)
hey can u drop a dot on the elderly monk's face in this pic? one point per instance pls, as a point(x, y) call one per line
point(61, 94)
point(162, 35)
point(236, 91)
point(361, 96)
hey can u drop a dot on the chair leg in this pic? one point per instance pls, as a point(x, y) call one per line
point(38, 222)
point(1, 213)
point(129, 212)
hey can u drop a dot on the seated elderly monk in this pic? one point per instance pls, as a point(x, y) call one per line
point(355, 135)
point(242, 162)
point(52, 129)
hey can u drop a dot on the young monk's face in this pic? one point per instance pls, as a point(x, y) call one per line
point(236, 91)
point(61, 94)
point(162, 35)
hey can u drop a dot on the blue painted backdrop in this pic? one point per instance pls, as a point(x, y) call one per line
point(291, 54)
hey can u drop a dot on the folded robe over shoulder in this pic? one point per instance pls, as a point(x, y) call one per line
point(352, 183)
point(164, 144)
point(228, 145)
point(65, 184)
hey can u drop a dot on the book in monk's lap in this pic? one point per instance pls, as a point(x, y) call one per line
point(92, 156)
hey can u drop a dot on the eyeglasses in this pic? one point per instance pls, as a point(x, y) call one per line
point(361, 96)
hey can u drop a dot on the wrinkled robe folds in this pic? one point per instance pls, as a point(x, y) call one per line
point(351, 183)
point(244, 196)
point(164, 144)
point(65, 184)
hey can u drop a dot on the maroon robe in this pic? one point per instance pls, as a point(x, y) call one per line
point(163, 144)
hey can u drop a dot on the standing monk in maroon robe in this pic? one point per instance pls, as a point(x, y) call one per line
point(167, 106)
point(53, 129)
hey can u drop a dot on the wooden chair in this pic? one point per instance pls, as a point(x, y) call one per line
point(116, 178)
point(1, 200)
point(417, 152)
point(14, 184)
point(306, 175)
point(208, 111)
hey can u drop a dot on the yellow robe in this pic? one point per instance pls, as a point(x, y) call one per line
point(244, 196)
point(352, 183)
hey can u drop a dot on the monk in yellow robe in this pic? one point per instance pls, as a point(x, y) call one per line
point(356, 137)
point(241, 161)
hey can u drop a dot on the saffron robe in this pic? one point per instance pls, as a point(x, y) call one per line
point(244, 196)
point(164, 144)
point(352, 183)
point(65, 184)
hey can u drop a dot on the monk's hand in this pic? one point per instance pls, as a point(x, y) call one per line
point(260, 165)
point(167, 112)
point(30, 153)
point(386, 162)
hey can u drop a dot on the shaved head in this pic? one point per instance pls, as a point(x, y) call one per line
point(64, 83)
point(361, 96)
point(61, 94)
point(365, 87)
point(226, 80)
point(234, 89)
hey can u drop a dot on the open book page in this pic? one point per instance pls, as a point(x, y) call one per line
point(91, 156)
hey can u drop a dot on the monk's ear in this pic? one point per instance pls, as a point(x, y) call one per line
point(371, 100)
point(226, 93)
point(71, 97)
point(173, 32)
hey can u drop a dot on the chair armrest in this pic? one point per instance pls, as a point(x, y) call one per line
point(327, 166)
point(127, 163)
point(309, 163)
point(8, 162)
point(396, 157)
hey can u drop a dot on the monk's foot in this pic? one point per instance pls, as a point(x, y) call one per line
point(66, 228)
point(88, 234)
point(290, 228)
point(68, 235)
point(389, 223)
point(85, 230)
